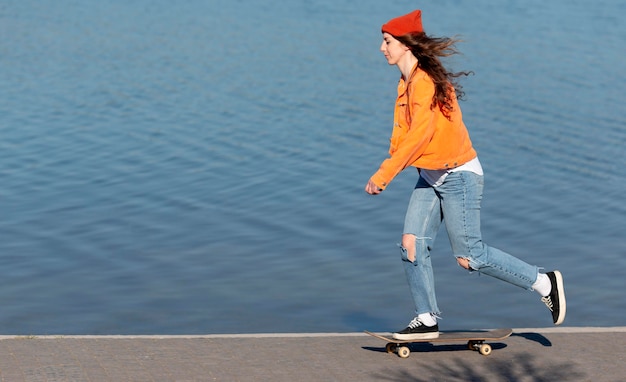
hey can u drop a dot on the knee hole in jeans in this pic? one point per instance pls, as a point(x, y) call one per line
point(464, 263)
point(409, 247)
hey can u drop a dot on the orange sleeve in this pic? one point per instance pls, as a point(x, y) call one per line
point(412, 144)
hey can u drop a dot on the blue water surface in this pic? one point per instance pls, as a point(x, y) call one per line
point(198, 166)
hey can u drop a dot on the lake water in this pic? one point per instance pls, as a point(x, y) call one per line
point(198, 167)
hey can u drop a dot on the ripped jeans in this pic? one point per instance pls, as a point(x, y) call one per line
point(456, 202)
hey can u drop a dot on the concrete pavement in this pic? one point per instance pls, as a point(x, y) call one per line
point(544, 354)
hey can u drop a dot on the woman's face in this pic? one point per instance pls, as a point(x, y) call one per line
point(393, 49)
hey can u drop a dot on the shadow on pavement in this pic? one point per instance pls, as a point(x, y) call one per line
point(536, 337)
point(428, 347)
point(525, 368)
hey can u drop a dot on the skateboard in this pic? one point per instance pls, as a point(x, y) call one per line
point(475, 340)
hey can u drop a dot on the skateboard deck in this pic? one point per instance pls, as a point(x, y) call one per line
point(475, 340)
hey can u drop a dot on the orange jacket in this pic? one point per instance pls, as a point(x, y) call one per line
point(422, 137)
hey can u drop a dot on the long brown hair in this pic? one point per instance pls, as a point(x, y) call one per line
point(429, 51)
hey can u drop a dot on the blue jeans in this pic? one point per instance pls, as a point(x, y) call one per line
point(456, 202)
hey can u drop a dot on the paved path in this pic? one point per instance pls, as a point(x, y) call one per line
point(551, 354)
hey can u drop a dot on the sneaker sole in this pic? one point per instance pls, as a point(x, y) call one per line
point(416, 336)
point(561, 294)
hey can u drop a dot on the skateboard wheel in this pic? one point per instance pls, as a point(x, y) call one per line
point(484, 349)
point(391, 347)
point(471, 345)
point(404, 352)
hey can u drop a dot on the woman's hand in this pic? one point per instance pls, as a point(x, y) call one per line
point(372, 189)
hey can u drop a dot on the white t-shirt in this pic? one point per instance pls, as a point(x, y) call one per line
point(436, 177)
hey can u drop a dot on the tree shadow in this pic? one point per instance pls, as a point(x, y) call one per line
point(524, 368)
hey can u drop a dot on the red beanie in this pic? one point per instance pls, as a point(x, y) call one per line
point(409, 23)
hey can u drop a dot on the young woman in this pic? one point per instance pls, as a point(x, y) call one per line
point(429, 134)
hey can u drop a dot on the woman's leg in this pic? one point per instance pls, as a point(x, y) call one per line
point(422, 221)
point(461, 195)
